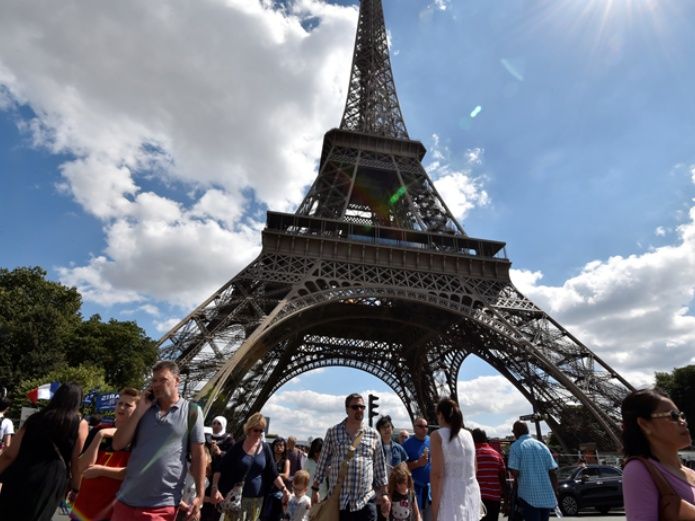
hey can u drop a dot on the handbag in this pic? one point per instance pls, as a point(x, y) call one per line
point(483, 510)
point(669, 500)
point(232, 499)
point(329, 508)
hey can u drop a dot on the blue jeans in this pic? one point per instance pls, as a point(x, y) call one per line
point(422, 494)
point(532, 513)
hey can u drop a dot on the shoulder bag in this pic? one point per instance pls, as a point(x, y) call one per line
point(232, 500)
point(328, 509)
point(669, 500)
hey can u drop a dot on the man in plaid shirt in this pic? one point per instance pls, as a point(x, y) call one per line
point(366, 472)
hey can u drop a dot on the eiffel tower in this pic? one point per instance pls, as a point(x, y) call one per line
point(373, 272)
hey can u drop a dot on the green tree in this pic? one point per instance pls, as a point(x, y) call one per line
point(44, 338)
point(680, 385)
point(122, 349)
point(36, 318)
point(578, 425)
point(88, 376)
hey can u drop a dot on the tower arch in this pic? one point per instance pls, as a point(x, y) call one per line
point(373, 235)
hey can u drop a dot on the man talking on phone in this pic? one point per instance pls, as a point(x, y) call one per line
point(162, 432)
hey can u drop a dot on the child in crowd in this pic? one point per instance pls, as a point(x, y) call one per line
point(209, 510)
point(299, 505)
point(189, 490)
point(402, 495)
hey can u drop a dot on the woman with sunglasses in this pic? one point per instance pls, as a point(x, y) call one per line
point(249, 464)
point(654, 430)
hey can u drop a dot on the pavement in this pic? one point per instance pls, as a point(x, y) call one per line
point(589, 516)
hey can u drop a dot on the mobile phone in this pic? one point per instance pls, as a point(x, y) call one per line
point(149, 394)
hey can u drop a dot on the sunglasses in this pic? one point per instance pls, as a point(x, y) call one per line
point(256, 430)
point(421, 426)
point(358, 407)
point(674, 415)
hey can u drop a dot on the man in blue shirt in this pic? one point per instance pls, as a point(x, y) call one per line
point(418, 449)
point(533, 467)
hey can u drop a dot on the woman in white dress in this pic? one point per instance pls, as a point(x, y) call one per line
point(455, 490)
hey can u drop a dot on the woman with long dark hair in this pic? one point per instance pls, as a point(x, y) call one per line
point(312, 462)
point(654, 430)
point(272, 507)
point(36, 469)
point(455, 490)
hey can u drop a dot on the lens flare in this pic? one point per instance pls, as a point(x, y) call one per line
point(397, 196)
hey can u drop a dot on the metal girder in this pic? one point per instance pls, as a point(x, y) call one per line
point(539, 357)
point(372, 104)
point(377, 188)
point(374, 272)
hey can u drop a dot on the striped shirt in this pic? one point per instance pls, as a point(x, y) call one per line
point(491, 471)
point(366, 471)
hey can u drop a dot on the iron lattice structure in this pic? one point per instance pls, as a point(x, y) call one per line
point(374, 272)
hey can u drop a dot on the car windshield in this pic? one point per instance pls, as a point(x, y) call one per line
point(565, 472)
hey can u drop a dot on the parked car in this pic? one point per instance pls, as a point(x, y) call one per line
point(592, 486)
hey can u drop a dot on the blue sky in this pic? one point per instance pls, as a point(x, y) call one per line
point(141, 143)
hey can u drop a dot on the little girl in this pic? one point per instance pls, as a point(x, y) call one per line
point(299, 505)
point(401, 493)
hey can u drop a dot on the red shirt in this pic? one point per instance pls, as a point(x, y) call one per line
point(98, 495)
point(490, 468)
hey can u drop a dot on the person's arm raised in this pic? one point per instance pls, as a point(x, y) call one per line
point(101, 471)
point(89, 457)
point(126, 431)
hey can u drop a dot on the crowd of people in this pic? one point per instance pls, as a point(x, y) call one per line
point(157, 463)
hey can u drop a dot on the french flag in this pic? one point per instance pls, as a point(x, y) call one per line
point(43, 392)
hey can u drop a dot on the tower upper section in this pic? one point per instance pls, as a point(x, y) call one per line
point(372, 104)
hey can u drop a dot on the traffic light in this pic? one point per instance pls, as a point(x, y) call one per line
point(372, 407)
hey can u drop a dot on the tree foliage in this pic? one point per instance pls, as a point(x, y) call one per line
point(578, 425)
point(44, 338)
point(680, 386)
point(36, 318)
point(121, 348)
point(88, 376)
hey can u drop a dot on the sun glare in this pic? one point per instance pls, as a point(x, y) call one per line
point(601, 26)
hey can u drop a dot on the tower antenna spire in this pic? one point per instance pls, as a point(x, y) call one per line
point(372, 103)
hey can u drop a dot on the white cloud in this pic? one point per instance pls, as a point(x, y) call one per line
point(463, 189)
point(489, 395)
point(179, 261)
point(438, 6)
point(634, 311)
point(165, 325)
point(490, 402)
point(226, 100)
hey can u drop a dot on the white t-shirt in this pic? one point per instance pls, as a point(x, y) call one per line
point(298, 508)
point(6, 428)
